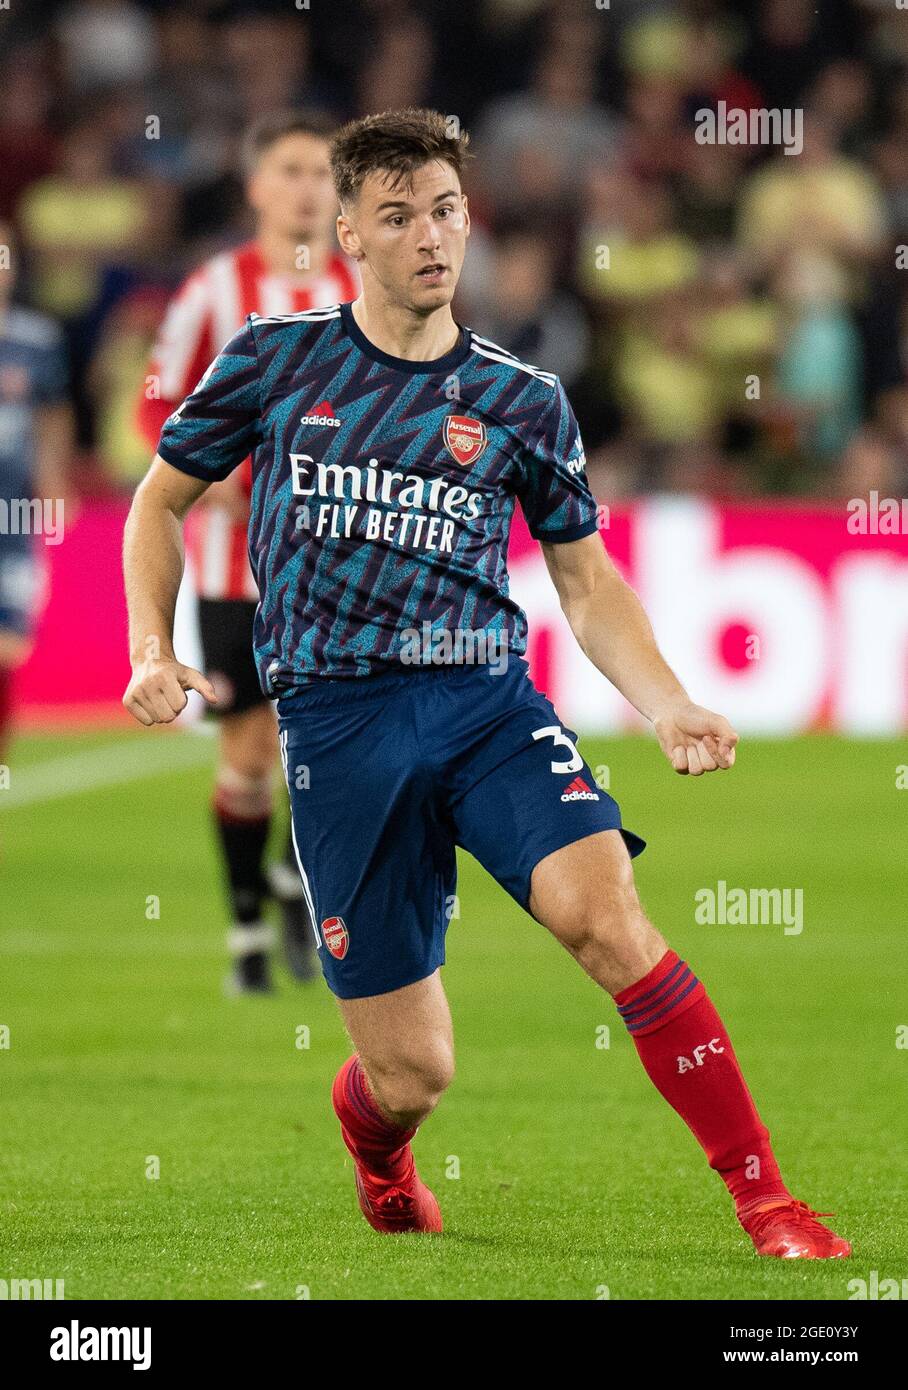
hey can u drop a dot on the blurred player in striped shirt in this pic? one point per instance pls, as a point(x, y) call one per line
point(292, 264)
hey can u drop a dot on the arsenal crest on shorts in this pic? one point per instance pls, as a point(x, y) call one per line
point(465, 439)
point(335, 936)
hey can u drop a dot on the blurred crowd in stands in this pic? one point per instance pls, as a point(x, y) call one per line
point(726, 317)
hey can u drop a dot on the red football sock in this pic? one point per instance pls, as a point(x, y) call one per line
point(690, 1060)
point(383, 1147)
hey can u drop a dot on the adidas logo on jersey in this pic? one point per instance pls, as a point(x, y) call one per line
point(579, 791)
point(322, 415)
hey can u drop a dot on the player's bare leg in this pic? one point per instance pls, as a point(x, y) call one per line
point(242, 806)
point(403, 1063)
point(585, 895)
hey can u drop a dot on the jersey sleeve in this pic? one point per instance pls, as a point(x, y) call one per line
point(552, 486)
point(219, 423)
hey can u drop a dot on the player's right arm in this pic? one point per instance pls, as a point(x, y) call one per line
point(153, 568)
point(215, 428)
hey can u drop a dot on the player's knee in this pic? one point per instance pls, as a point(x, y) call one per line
point(607, 930)
point(249, 744)
point(409, 1087)
point(250, 764)
point(242, 795)
point(587, 920)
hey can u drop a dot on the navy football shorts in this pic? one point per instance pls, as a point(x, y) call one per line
point(388, 773)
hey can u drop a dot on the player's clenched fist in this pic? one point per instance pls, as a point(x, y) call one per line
point(157, 692)
point(694, 739)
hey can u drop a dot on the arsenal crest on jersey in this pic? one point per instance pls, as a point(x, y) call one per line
point(465, 439)
point(335, 936)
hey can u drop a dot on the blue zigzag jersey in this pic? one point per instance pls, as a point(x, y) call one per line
point(383, 489)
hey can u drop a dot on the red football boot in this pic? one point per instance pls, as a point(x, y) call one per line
point(790, 1231)
point(394, 1199)
point(395, 1207)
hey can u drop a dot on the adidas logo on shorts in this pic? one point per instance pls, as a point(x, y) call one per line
point(579, 791)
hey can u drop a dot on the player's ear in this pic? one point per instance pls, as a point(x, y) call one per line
point(349, 241)
point(252, 193)
point(466, 215)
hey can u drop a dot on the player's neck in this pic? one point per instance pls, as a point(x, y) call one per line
point(281, 253)
point(401, 333)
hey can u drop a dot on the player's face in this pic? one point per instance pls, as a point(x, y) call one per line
point(291, 189)
point(412, 241)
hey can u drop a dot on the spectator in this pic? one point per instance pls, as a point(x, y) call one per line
point(523, 311)
point(537, 146)
point(27, 146)
point(820, 201)
point(656, 274)
point(398, 71)
point(78, 220)
point(819, 364)
point(105, 43)
point(629, 251)
point(124, 346)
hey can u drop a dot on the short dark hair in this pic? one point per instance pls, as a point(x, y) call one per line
point(398, 142)
point(267, 130)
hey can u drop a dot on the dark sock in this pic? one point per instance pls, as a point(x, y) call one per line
point(243, 839)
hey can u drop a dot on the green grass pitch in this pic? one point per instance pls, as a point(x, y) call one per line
point(561, 1173)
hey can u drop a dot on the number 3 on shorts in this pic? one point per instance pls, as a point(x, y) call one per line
point(555, 731)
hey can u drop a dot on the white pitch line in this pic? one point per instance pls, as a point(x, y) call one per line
point(157, 943)
point(127, 760)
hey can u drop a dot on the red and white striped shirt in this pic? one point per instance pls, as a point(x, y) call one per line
point(208, 309)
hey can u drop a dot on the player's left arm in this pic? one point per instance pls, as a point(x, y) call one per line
point(612, 628)
point(605, 614)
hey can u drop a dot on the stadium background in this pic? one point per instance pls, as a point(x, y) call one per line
point(729, 512)
point(728, 265)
